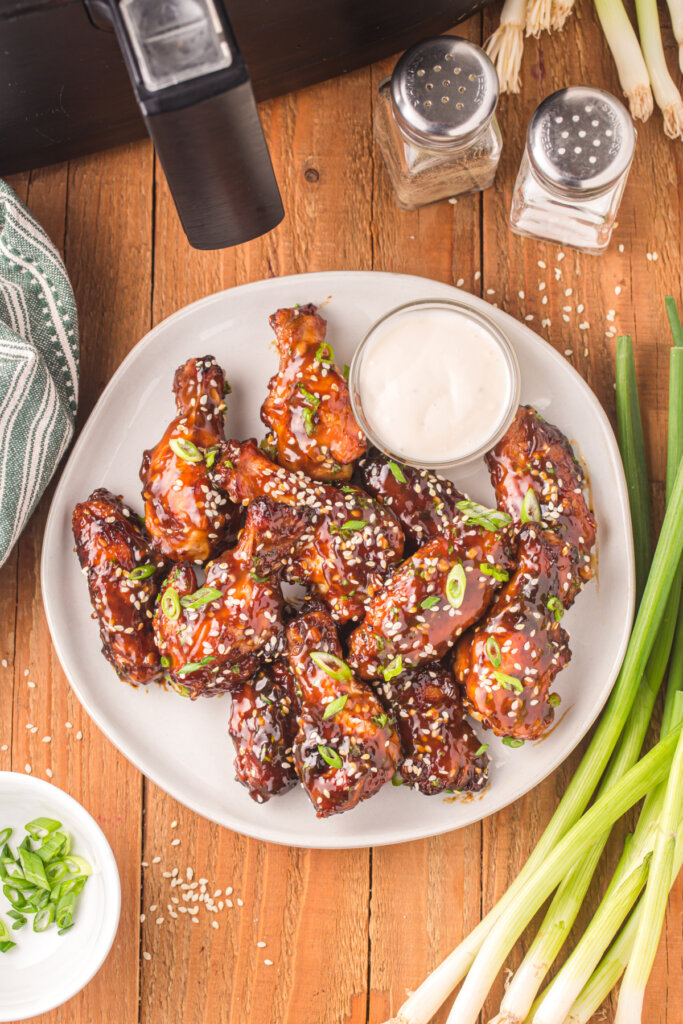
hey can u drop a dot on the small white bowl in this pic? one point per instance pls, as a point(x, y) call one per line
point(45, 970)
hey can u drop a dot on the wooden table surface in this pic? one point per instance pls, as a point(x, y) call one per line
point(321, 937)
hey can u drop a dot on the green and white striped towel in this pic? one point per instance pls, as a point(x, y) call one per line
point(38, 364)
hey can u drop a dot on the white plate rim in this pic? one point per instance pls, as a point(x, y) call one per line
point(262, 832)
point(109, 871)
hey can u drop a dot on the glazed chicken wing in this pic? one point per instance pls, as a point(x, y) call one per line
point(508, 662)
point(429, 601)
point(187, 518)
point(440, 750)
point(211, 637)
point(346, 747)
point(352, 541)
point(425, 503)
point(534, 464)
point(124, 575)
point(308, 407)
point(263, 725)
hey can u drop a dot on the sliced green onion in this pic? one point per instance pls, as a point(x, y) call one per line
point(200, 597)
point(51, 847)
point(334, 706)
point(44, 918)
point(555, 606)
point(313, 401)
point(324, 353)
point(353, 524)
point(170, 603)
point(34, 869)
point(56, 871)
point(210, 456)
point(456, 584)
point(346, 371)
point(554, 700)
point(185, 450)
point(195, 666)
point(531, 510)
point(14, 895)
point(493, 651)
point(141, 572)
point(330, 756)
point(19, 919)
point(492, 570)
point(165, 661)
point(512, 741)
point(5, 835)
point(491, 519)
point(509, 682)
point(258, 579)
point(429, 602)
point(394, 668)
point(307, 416)
point(333, 666)
point(65, 910)
point(380, 720)
point(481, 750)
point(78, 866)
point(39, 828)
point(396, 472)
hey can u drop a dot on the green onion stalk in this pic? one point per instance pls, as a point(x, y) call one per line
point(568, 899)
point(628, 57)
point(637, 781)
point(613, 964)
point(421, 1006)
point(666, 93)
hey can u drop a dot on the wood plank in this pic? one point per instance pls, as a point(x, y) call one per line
point(94, 211)
point(309, 907)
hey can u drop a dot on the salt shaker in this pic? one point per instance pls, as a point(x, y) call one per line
point(435, 122)
point(579, 148)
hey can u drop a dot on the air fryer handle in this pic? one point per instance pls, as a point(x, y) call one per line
point(194, 92)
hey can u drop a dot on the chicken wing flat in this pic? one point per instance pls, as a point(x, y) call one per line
point(507, 663)
point(536, 475)
point(425, 503)
point(187, 518)
point(124, 574)
point(440, 750)
point(263, 725)
point(352, 541)
point(346, 747)
point(211, 637)
point(308, 406)
point(429, 601)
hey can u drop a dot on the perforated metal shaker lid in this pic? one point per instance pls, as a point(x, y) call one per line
point(444, 90)
point(581, 139)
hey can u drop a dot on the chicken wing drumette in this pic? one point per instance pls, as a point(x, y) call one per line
point(263, 725)
point(211, 637)
point(124, 574)
point(346, 747)
point(507, 663)
point(536, 475)
point(308, 406)
point(440, 750)
point(187, 518)
point(351, 543)
point(429, 601)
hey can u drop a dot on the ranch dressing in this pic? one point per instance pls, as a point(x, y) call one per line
point(436, 383)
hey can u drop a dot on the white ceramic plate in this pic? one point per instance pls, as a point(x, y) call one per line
point(44, 970)
point(184, 747)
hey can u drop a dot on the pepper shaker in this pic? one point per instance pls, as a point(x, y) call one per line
point(579, 148)
point(435, 122)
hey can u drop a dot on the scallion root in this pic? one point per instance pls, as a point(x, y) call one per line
point(559, 12)
point(538, 17)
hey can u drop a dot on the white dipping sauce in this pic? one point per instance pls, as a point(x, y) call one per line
point(434, 384)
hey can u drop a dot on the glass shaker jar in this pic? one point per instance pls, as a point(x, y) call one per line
point(579, 147)
point(435, 122)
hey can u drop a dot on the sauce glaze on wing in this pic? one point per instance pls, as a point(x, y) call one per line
point(308, 405)
point(111, 544)
point(507, 663)
point(440, 750)
point(534, 455)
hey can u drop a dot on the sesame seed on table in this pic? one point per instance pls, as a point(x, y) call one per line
point(252, 933)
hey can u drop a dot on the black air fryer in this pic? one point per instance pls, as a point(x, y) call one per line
point(81, 75)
